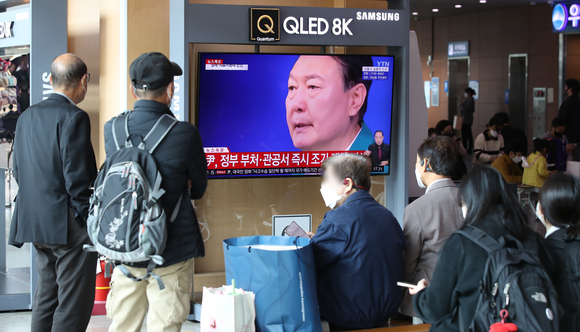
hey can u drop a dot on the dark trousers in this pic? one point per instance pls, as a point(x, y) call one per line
point(467, 137)
point(65, 293)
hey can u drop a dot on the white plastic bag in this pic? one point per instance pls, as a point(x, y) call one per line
point(226, 310)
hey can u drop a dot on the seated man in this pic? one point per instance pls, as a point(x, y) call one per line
point(431, 218)
point(358, 248)
point(507, 164)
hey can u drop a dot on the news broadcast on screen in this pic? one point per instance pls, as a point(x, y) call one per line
point(282, 114)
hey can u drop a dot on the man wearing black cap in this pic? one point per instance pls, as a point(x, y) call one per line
point(180, 159)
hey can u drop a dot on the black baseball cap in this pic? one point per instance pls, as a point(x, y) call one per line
point(151, 71)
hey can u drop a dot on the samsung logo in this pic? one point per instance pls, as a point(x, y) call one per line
point(377, 16)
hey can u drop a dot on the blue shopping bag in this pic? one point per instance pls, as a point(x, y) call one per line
point(281, 273)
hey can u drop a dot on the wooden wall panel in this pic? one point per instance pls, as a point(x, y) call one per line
point(83, 40)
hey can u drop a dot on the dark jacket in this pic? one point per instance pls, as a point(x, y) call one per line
point(570, 112)
point(467, 109)
point(179, 157)
point(54, 165)
point(457, 277)
point(566, 268)
point(385, 153)
point(511, 134)
point(358, 251)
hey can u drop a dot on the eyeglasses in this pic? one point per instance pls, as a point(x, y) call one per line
point(88, 77)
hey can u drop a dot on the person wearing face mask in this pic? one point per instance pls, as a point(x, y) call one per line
point(570, 112)
point(54, 166)
point(559, 211)
point(489, 144)
point(430, 219)
point(537, 171)
point(449, 300)
point(467, 110)
point(560, 149)
point(358, 249)
point(507, 164)
point(181, 161)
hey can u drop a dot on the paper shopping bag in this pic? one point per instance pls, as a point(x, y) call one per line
point(223, 310)
point(281, 272)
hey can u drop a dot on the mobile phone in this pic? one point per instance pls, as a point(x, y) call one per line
point(295, 230)
point(405, 284)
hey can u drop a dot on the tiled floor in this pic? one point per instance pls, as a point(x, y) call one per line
point(20, 322)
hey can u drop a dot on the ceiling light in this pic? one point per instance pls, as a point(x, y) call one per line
point(435, 10)
point(482, 1)
point(415, 13)
point(457, 6)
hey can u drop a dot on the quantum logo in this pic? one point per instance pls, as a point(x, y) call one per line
point(560, 17)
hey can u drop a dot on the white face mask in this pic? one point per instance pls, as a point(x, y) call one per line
point(493, 133)
point(517, 159)
point(464, 211)
point(329, 195)
point(540, 215)
point(419, 181)
point(466, 95)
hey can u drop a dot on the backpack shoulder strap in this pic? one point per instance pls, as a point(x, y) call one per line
point(480, 238)
point(121, 129)
point(158, 132)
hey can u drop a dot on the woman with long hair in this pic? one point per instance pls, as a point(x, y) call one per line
point(489, 205)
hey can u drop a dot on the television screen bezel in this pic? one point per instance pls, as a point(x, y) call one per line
point(197, 101)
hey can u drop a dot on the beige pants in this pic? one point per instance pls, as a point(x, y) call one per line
point(168, 308)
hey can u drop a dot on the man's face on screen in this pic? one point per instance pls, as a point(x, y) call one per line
point(379, 138)
point(319, 112)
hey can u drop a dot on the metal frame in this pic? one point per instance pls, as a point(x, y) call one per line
point(45, 45)
point(468, 75)
point(468, 66)
point(520, 55)
point(561, 66)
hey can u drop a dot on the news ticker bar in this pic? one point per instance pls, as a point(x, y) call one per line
point(274, 171)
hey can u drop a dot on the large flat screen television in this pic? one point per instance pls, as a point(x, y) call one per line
point(284, 114)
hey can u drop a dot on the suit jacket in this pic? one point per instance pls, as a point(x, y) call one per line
point(54, 165)
point(385, 153)
point(358, 251)
point(428, 222)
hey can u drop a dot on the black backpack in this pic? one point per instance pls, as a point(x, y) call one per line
point(515, 284)
point(572, 249)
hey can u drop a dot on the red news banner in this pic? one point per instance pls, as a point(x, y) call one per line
point(222, 162)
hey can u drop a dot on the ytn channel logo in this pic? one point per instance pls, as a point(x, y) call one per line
point(264, 24)
point(561, 15)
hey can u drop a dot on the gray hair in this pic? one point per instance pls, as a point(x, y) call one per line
point(354, 166)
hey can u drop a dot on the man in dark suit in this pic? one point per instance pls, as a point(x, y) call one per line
point(54, 165)
point(379, 151)
point(358, 249)
point(570, 112)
